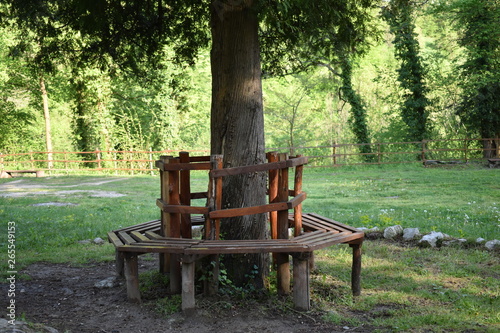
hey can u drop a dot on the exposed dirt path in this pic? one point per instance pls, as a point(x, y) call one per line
point(64, 297)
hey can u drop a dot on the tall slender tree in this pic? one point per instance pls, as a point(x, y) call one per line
point(477, 21)
point(399, 14)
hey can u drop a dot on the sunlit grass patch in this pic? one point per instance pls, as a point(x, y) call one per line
point(411, 289)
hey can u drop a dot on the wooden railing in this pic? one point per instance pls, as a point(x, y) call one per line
point(429, 152)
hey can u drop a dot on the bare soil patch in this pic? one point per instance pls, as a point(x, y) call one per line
point(64, 297)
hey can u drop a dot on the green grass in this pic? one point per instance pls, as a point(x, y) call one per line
point(405, 288)
point(461, 201)
point(411, 289)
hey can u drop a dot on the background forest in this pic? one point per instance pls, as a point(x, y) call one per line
point(429, 70)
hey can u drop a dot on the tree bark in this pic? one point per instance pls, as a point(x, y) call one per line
point(237, 126)
point(46, 116)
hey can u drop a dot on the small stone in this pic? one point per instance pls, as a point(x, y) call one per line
point(431, 239)
point(98, 241)
point(480, 240)
point(492, 244)
point(85, 241)
point(411, 233)
point(394, 231)
point(110, 282)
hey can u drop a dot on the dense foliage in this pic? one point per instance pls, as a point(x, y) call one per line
point(97, 102)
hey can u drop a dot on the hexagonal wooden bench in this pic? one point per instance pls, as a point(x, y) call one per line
point(171, 236)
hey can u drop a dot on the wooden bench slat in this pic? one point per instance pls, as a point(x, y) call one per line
point(114, 239)
point(204, 248)
point(182, 166)
point(336, 223)
point(258, 167)
point(182, 209)
point(149, 248)
point(309, 236)
point(138, 236)
point(325, 223)
point(336, 239)
point(139, 226)
point(125, 237)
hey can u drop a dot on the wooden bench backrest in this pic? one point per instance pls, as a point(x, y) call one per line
point(176, 195)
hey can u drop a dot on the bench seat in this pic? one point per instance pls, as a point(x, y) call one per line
point(171, 236)
point(323, 232)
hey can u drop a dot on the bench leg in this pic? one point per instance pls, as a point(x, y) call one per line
point(283, 273)
point(301, 295)
point(188, 289)
point(356, 269)
point(175, 274)
point(119, 263)
point(132, 277)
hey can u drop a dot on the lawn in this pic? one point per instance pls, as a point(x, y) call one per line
point(405, 288)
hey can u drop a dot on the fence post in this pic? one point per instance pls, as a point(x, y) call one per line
point(151, 160)
point(378, 153)
point(31, 159)
point(423, 151)
point(465, 150)
point(98, 159)
point(334, 150)
point(115, 162)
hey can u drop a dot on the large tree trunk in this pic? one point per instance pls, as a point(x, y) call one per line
point(237, 126)
point(46, 116)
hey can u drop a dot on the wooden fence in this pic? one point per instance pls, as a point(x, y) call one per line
point(429, 152)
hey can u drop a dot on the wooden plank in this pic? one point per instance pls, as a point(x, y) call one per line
point(174, 199)
point(138, 236)
point(153, 235)
point(199, 195)
point(356, 269)
point(132, 277)
point(113, 238)
point(180, 209)
point(282, 259)
point(151, 248)
point(126, 238)
point(297, 211)
point(332, 222)
point(335, 239)
point(259, 167)
point(164, 259)
point(296, 201)
point(199, 158)
point(274, 248)
point(301, 294)
point(273, 194)
point(139, 226)
point(319, 222)
point(188, 288)
point(182, 166)
point(308, 236)
point(185, 196)
point(232, 212)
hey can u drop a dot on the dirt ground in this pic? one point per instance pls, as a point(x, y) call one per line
point(64, 297)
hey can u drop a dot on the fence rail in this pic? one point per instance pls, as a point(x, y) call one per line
point(429, 152)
